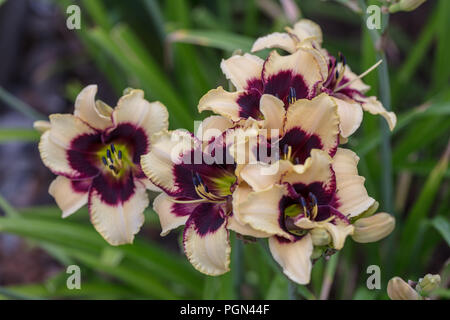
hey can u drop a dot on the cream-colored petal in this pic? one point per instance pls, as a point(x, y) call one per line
point(275, 40)
point(261, 210)
point(338, 232)
point(133, 108)
point(86, 109)
point(67, 198)
point(372, 105)
point(119, 223)
point(65, 128)
point(209, 253)
point(317, 168)
point(305, 223)
point(221, 102)
point(41, 125)
point(212, 126)
point(318, 116)
point(307, 62)
point(350, 115)
point(167, 149)
point(352, 194)
point(373, 228)
point(237, 226)
point(54, 157)
point(261, 176)
point(242, 69)
point(150, 185)
point(273, 111)
point(308, 30)
point(356, 83)
point(294, 258)
point(163, 206)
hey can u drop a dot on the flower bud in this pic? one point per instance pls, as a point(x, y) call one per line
point(405, 5)
point(373, 228)
point(317, 253)
point(429, 283)
point(320, 236)
point(398, 289)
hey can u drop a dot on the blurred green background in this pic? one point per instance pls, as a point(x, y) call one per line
point(172, 50)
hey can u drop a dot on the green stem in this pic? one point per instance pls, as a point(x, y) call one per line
point(386, 151)
point(385, 98)
point(292, 290)
point(329, 276)
point(238, 266)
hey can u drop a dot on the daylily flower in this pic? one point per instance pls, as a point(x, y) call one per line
point(96, 154)
point(308, 209)
point(349, 91)
point(345, 86)
point(197, 194)
point(292, 77)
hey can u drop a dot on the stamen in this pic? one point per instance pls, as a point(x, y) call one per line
point(292, 96)
point(313, 203)
point(297, 160)
point(305, 208)
point(195, 180)
point(285, 151)
point(108, 155)
point(362, 75)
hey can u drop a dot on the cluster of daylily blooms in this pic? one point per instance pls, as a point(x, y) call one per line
point(267, 165)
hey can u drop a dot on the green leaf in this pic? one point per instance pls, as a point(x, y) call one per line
point(19, 105)
point(443, 226)
point(214, 39)
point(18, 134)
point(419, 212)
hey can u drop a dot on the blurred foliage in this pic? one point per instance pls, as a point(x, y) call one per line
point(172, 50)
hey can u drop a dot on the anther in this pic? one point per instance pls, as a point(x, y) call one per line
point(104, 161)
point(297, 160)
point(292, 97)
point(313, 202)
point(108, 154)
point(305, 208)
point(195, 179)
point(119, 154)
point(285, 148)
point(337, 74)
point(112, 148)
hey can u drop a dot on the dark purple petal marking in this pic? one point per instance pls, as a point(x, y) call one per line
point(301, 142)
point(279, 85)
point(248, 102)
point(208, 173)
point(325, 195)
point(113, 191)
point(82, 154)
point(132, 136)
point(81, 186)
point(326, 212)
point(255, 84)
point(206, 218)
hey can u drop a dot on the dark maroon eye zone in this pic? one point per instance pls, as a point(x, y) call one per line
point(133, 137)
